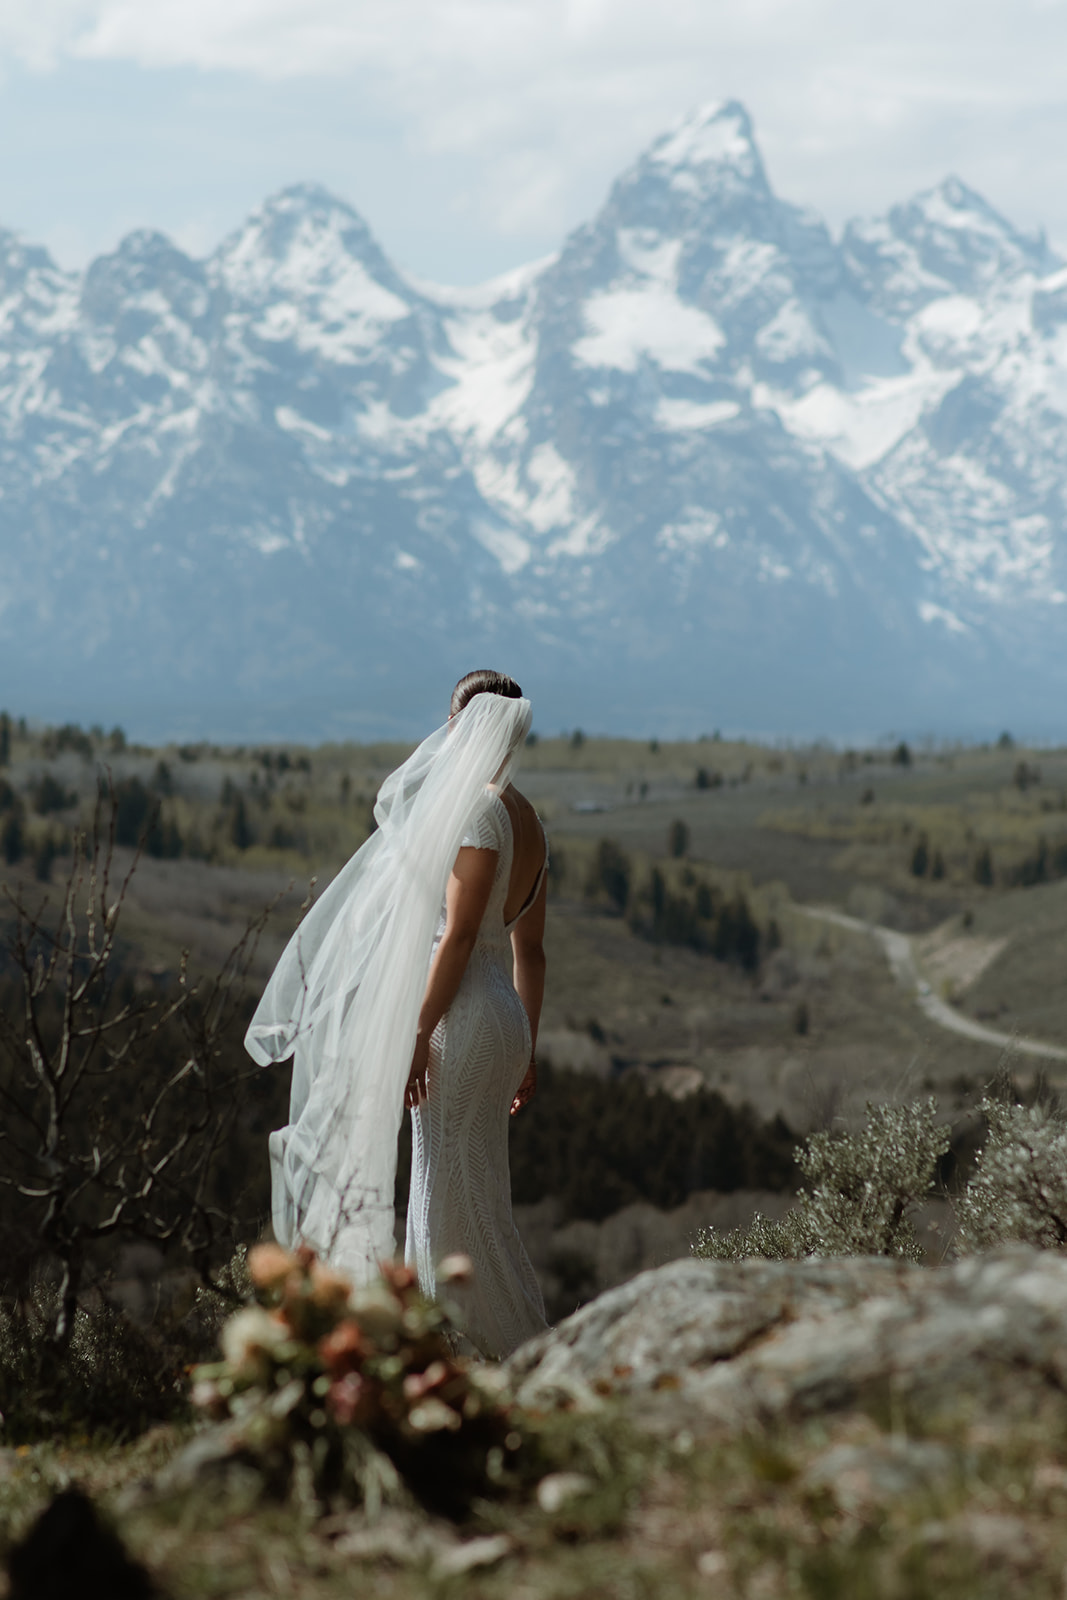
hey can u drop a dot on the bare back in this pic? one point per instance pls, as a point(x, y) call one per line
point(528, 853)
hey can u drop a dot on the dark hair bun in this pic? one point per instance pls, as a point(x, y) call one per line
point(483, 682)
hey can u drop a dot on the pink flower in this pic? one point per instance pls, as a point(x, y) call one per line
point(343, 1349)
point(400, 1278)
point(351, 1400)
point(417, 1384)
point(329, 1290)
point(269, 1265)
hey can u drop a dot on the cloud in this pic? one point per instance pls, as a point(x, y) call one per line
point(534, 105)
point(39, 33)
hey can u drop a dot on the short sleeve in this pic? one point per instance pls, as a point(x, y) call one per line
point(483, 830)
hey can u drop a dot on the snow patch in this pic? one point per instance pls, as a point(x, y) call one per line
point(682, 415)
point(710, 137)
point(491, 367)
point(587, 537)
point(381, 426)
point(648, 254)
point(291, 421)
point(772, 569)
point(790, 335)
point(696, 528)
point(552, 504)
point(929, 612)
point(628, 326)
point(539, 495)
point(317, 294)
point(862, 427)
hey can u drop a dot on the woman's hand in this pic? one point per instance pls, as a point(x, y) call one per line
point(527, 1088)
point(420, 1061)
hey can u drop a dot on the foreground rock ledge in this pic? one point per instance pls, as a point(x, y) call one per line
point(713, 1344)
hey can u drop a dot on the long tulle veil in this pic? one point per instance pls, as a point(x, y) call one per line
point(344, 998)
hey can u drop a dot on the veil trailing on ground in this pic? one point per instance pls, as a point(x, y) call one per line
point(345, 996)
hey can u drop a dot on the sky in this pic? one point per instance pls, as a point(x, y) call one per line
point(473, 134)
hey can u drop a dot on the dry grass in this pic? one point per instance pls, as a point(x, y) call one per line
point(877, 1505)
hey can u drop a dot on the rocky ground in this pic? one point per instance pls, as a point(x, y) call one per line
point(854, 1428)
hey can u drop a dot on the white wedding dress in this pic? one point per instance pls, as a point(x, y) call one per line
point(460, 1199)
point(344, 1002)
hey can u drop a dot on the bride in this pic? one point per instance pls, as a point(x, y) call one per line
point(417, 980)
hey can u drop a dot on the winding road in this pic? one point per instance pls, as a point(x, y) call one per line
point(905, 969)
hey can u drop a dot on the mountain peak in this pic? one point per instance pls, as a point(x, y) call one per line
point(298, 240)
point(717, 134)
point(307, 199)
point(144, 262)
point(960, 238)
point(953, 204)
point(706, 167)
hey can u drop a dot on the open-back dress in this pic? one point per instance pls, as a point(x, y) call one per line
point(460, 1200)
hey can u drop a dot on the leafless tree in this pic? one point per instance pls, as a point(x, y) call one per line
point(118, 1103)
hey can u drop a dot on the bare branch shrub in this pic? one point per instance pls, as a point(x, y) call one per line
point(858, 1197)
point(123, 1104)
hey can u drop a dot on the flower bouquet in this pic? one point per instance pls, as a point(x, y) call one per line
point(357, 1391)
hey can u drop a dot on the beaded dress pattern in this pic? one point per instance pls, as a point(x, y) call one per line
point(460, 1198)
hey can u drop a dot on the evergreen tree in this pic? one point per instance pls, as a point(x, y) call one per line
point(42, 861)
point(5, 739)
point(12, 839)
point(611, 874)
point(737, 935)
point(983, 867)
point(705, 901)
point(240, 830)
point(51, 796)
point(133, 804)
point(678, 838)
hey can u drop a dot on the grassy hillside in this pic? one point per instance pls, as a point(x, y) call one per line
point(919, 841)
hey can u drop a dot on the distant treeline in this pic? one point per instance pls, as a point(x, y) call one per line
point(38, 822)
point(682, 909)
point(1045, 862)
point(598, 1146)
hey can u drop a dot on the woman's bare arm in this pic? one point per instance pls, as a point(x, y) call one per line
point(467, 895)
point(528, 950)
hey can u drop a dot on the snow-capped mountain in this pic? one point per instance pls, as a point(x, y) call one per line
point(706, 466)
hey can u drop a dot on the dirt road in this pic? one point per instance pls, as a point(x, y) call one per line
point(905, 969)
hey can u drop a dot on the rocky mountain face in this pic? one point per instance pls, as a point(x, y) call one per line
point(706, 466)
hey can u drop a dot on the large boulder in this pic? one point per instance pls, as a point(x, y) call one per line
point(712, 1344)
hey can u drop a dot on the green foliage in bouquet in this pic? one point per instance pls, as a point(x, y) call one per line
point(360, 1388)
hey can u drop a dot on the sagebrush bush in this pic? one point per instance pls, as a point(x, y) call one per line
point(859, 1193)
point(1019, 1186)
point(114, 1376)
